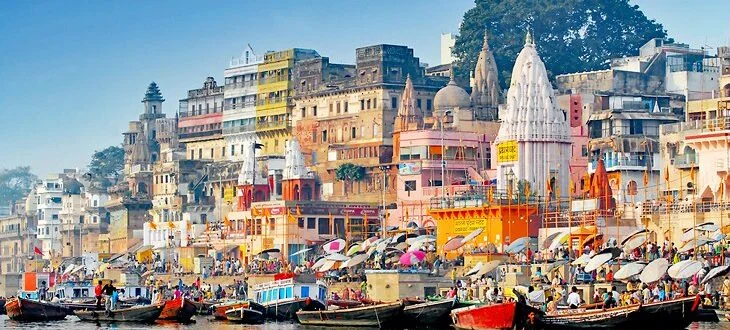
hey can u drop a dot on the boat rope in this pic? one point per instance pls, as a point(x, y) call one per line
point(376, 316)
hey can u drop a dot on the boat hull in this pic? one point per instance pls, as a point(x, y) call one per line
point(202, 307)
point(179, 310)
point(504, 316)
point(367, 316)
point(672, 314)
point(140, 314)
point(19, 309)
point(219, 310)
point(615, 318)
point(288, 310)
point(429, 313)
point(245, 315)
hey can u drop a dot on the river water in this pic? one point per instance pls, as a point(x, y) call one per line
point(206, 323)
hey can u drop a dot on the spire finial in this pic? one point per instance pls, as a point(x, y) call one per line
point(528, 38)
point(451, 73)
point(485, 46)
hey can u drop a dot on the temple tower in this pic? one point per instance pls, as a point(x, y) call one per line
point(533, 143)
point(485, 84)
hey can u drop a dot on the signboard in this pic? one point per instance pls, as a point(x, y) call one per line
point(466, 226)
point(228, 195)
point(409, 169)
point(507, 151)
point(583, 205)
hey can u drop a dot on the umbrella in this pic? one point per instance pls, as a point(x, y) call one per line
point(329, 265)
point(355, 248)
point(488, 267)
point(69, 268)
point(319, 263)
point(717, 236)
point(269, 251)
point(382, 245)
point(582, 260)
point(422, 239)
point(336, 257)
point(334, 246)
point(636, 233)
point(537, 296)
point(412, 258)
point(415, 246)
point(698, 231)
point(629, 270)
point(560, 240)
point(518, 245)
point(300, 252)
point(549, 240)
point(354, 261)
point(454, 243)
point(684, 269)
point(399, 238)
point(474, 269)
point(401, 246)
point(366, 243)
point(691, 245)
point(614, 251)
point(371, 250)
point(598, 261)
point(654, 270)
point(633, 242)
point(715, 273)
point(472, 235)
point(556, 264)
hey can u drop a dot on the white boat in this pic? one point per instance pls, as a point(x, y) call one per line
point(284, 297)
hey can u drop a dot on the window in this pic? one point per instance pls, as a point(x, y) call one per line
point(345, 106)
point(584, 151)
point(223, 151)
point(338, 107)
point(324, 136)
point(362, 104)
point(211, 153)
point(434, 183)
point(418, 103)
point(394, 102)
point(375, 130)
point(353, 134)
point(368, 102)
point(410, 185)
point(311, 222)
point(331, 108)
point(314, 111)
point(375, 104)
point(323, 226)
point(233, 150)
point(300, 222)
point(428, 105)
point(304, 112)
point(362, 131)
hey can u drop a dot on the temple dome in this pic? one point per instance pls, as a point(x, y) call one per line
point(451, 96)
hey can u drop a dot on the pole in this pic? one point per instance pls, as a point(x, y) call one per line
point(384, 214)
point(443, 161)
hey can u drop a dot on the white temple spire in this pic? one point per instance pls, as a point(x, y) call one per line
point(294, 167)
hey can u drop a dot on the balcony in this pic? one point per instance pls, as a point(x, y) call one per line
point(239, 106)
point(698, 126)
point(242, 84)
point(271, 125)
point(184, 113)
point(193, 135)
point(685, 162)
point(239, 129)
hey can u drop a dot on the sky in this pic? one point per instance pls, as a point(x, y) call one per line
point(73, 73)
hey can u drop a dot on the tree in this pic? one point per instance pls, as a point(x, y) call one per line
point(15, 184)
point(107, 164)
point(349, 173)
point(570, 35)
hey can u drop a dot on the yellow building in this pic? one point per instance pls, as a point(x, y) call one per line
point(273, 102)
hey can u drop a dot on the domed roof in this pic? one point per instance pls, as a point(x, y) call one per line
point(451, 96)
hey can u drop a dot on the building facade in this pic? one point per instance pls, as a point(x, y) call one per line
point(201, 121)
point(239, 109)
point(48, 196)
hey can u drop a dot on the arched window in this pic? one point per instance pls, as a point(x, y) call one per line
point(632, 188)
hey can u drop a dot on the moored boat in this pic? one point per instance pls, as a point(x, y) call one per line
point(366, 316)
point(671, 314)
point(282, 298)
point(179, 310)
point(21, 309)
point(220, 309)
point(428, 312)
point(624, 317)
point(202, 307)
point(503, 316)
point(245, 315)
point(141, 314)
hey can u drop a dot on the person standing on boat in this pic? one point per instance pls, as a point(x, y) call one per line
point(533, 322)
point(97, 294)
point(115, 299)
point(42, 291)
point(610, 301)
point(573, 298)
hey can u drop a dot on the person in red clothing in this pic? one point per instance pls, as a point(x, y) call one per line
point(609, 277)
point(97, 294)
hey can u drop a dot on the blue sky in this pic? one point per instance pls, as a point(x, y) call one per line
point(72, 73)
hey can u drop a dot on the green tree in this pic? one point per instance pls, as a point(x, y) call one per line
point(349, 173)
point(107, 164)
point(571, 35)
point(15, 184)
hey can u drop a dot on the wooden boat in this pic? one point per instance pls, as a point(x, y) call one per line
point(707, 315)
point(503, 316)
point(141, 314)
point(21, 309)
point(428, 312)
point(219, 310)
point(366, 316)
point(179, 310)
point(245, 315)
point(283, 297)
point(671, 314)
point(625, 317)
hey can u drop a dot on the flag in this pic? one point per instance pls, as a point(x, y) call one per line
point(527, 190)
point(490, 195)
point(226, 221)
point(347, 219)
point(37, 251)
point(289, 216)
point(721, 190)
point(365, 219)
point(153, 225)
point(587, 182)
point(299, 212)
point(666, 173)
point(207, 226)
point(548, 186)
point(407, 215)
point(646, 178)
point(267, 212)
point(330, 217)
point(572, 186)
point(692, 174)
point(189, 226)
point(171, 224)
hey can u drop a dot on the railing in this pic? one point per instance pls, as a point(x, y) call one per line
point(685, 162)
point(185, 113)
point(239, 129)
point(239, 106)
point(479, 195)
point(268, 101)
point(199, 134)
point(655, 207)
point(707, 125)
point(272, 125)
point(242, 84)
point(271, 80)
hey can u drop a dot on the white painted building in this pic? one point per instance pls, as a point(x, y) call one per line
point(533, 142)
point(448, 40)
point(239, 111)
point(48, 199)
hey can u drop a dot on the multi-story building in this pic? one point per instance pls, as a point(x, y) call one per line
point(201, 120)
point(72, 217)
point(274, 99)
point(48, 196)
point(95, 217)
point(17, 243)
point(239, 109)
point(347, 116)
